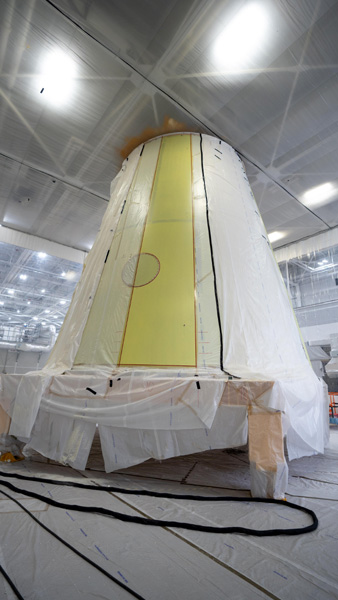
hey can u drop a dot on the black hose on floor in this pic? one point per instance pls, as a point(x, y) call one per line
point(163, 523)
point(143, 520)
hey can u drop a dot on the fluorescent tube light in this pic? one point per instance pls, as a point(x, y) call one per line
point(276, 235)
point(319, 194)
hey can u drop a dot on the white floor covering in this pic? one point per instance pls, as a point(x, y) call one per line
point(168, 564)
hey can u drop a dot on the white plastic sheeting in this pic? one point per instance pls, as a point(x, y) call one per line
point(239, 293)
point(173, 563)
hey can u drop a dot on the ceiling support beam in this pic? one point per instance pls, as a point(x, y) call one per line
point(37, 244)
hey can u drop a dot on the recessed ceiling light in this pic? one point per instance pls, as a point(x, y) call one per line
point(43, 323)
point(62, 301)
point(28, 301)
point(319, 194)
point(63, 274)
point(47, 310)
point(70, 275)
point(1, 303)
point(35, 318)
point(276, 235)
point(56, 83)
point(9, 318)
point(42, 254)
point(54, 317)
point(43, 291)
point(23, 277)
point(242, 38)
point(10, 291)
point(18, 311)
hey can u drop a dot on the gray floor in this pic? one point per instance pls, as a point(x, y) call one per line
point(168, 563)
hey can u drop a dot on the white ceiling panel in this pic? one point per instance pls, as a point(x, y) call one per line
point(137, 62)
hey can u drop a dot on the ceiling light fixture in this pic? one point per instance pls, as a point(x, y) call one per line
point(62, 301)
point(10, 291)
point(276, 235)
point(42, 254)
point(56, 81)
point(319, 194)
point(43, 291)
point(23, 277)
point(241, 39)
point(70, 275)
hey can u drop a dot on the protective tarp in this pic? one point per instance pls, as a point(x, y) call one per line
point(180, 294)
point(174, 563)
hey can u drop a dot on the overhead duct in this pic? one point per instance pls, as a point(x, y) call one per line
point(37, 338)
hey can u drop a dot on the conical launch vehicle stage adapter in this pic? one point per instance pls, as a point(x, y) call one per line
point(179, 329)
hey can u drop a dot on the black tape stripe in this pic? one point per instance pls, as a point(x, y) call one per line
point(212, 259)
point(124, 203)
point(90, 390)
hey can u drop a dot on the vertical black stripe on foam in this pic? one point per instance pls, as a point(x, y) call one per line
point(212, 260)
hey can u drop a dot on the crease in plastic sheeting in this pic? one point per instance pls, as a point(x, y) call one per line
point(306, 409)
point(66, 440)
point(120, 450)
point(27, 403)
point(263, 347)
point(5, 421)
point(78, 446)
point(134, 402)
point(207, 326)
point(69, 339)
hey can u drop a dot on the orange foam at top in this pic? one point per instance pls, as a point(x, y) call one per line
point(169, 125)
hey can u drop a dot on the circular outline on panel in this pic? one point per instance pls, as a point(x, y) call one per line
point(130, 264)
